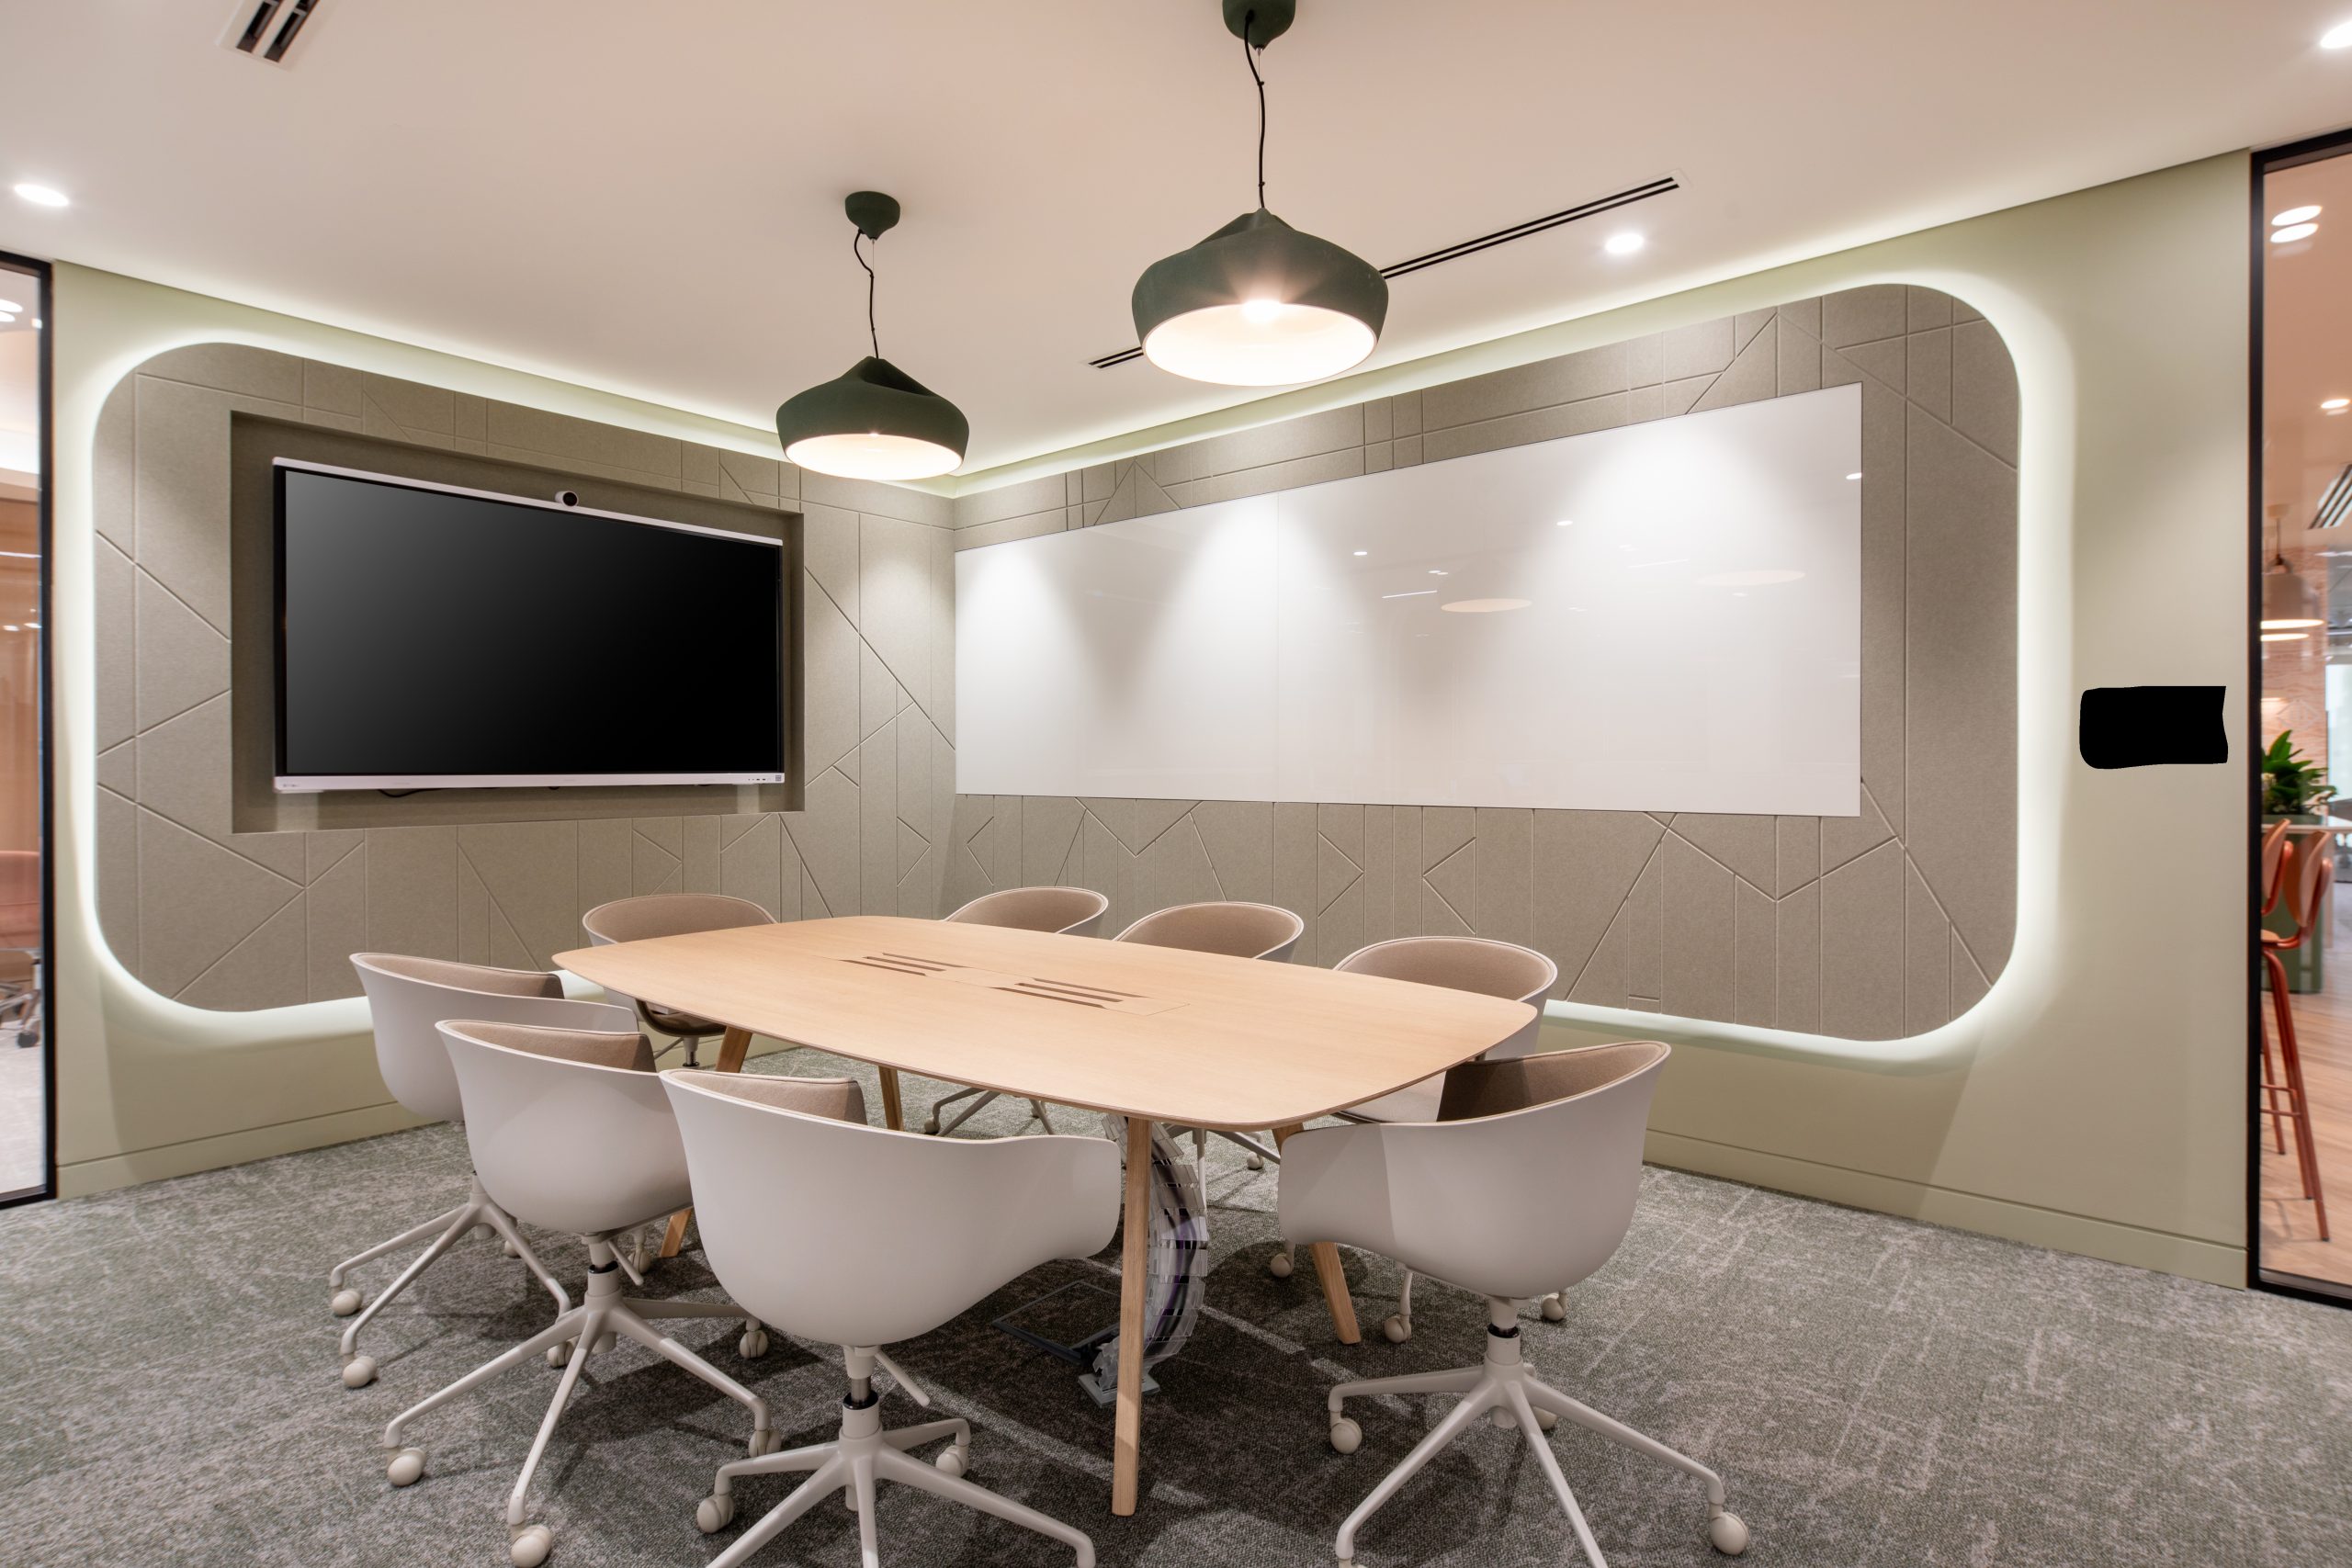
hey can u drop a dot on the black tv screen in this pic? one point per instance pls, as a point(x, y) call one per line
point(432, 638)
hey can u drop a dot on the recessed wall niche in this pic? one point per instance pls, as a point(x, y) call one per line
point(1872, 927)
point(219, 892)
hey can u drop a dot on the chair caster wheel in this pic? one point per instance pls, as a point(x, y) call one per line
point(753, 1345)
point(1346, 1436)
point(1280, 1265)
point(558, 1354)
point(953, 1459)
point(1256, 1162)
point(1555, 1309)
point(359, 1372)
point(1546, 1420)
point(531, 1547)
point(765, 1443)
point(344, 1304)
point(604, 1343)
point(1398, 1328)
point(407, 1467)
point(931, 1125)
point(1727, 1534)
point(714, 1514)
point(509, 1248)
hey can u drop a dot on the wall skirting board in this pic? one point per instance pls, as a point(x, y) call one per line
point(203, 908)
point(1875, 927)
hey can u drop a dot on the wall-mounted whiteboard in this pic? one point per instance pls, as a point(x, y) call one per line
point(1661, 617)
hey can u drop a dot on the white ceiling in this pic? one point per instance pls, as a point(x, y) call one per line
point(646, 198)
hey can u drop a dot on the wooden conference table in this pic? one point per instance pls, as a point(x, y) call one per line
point(1150, 1033)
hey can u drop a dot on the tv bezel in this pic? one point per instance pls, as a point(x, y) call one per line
point(313, 783)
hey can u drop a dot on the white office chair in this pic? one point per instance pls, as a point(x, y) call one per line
point(1462, 963)
point(407, 998)
point(910, 1232)
point(670, 914)
point(1069, 911)
point(1239, 931)
point(569, 1130)
point(1529, 1178)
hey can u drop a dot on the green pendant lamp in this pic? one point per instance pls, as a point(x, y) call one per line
point(875, 422)
point(1257, 303)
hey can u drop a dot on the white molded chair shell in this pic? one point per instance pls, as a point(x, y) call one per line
point(1516, 1203)
point(1069, 911)
point(651, 914)
point(569, 1129)
point(859, 1236)
point(1461, 964)
point(407, 998)
point(1230, 927)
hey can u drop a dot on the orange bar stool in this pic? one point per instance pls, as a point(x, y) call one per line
point(2309, 874)
point(2274, 865)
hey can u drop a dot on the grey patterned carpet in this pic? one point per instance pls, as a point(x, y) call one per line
point(1876, 1392)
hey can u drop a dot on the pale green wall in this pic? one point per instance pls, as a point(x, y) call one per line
point(2094, 1100)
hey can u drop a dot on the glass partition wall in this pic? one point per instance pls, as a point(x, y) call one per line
point(26, 1117)
point(2301, 1055)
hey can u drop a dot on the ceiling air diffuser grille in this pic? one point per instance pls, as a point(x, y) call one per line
point(266, 30)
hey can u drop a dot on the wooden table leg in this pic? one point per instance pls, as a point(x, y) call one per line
point(893, 1116)
point(1126, 1448)
point(1330, 1271)
point(732, 1049)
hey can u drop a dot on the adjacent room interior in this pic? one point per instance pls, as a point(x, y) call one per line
point(1058, 784)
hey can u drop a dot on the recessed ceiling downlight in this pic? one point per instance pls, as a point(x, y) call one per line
point(41, 195)
point(2337, 37)
point(2296, 215)
point(2335, 405)
point(2292, 233)
point(1623, 245)
point(1258, 303)
point(1758, 579)
point(1482, 606)
point(874, 420)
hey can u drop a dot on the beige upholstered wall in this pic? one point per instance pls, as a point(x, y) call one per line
point(1876, 927)
point(227, 919)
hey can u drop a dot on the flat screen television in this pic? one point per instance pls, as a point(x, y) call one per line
point(431, 637)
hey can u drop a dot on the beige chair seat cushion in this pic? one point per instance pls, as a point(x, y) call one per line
point(628, 1051)
point(670, 1022)
point(1414, 1102)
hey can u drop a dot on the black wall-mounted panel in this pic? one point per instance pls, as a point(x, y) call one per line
point(2142, 727)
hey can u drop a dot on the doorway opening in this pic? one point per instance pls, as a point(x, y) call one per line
point(2301, 1048)
point(28, 1076)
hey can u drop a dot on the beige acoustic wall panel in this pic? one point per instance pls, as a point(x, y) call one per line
point(1872, 925)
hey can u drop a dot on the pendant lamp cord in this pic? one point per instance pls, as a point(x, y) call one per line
point(858, 249)
point(1250, 21)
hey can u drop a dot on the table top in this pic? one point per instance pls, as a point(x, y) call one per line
point(1194, 1038)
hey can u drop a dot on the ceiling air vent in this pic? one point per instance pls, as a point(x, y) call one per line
point(2336, 502)
point(1471, 246)
point(267, 30)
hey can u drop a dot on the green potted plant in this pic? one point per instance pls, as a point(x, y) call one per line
point(2293, 786)
point(2295, 789)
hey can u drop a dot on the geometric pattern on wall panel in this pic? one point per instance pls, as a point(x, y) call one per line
point(238, 920)
point(1872, 927)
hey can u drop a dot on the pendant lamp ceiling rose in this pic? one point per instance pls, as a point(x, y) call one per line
point(873, 214)
point(1260, 22)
